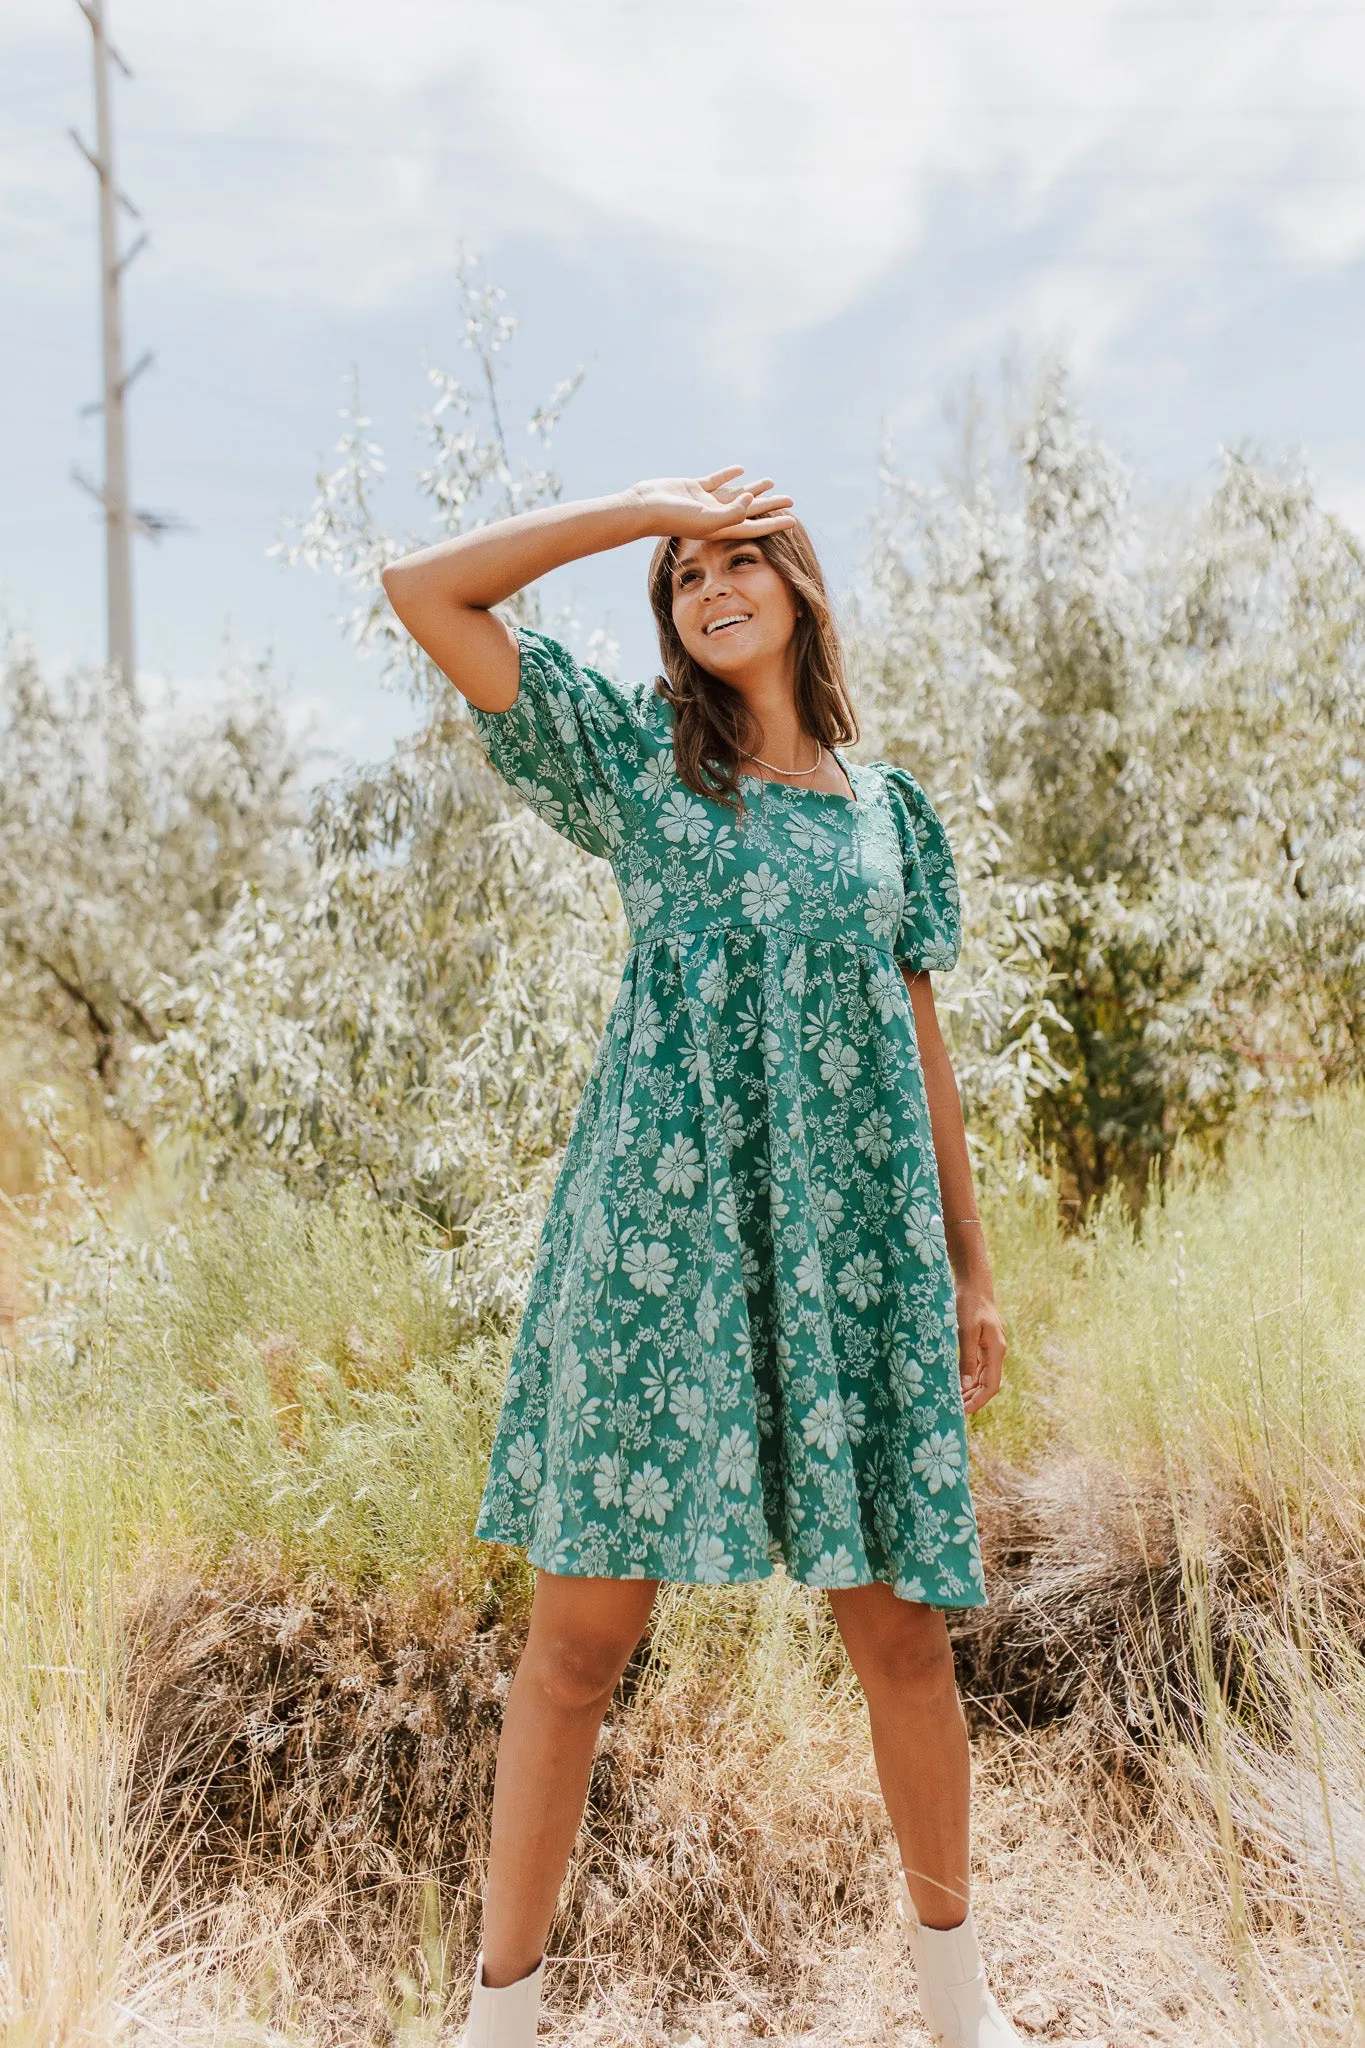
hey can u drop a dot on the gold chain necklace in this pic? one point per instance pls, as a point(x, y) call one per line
point(820, 755)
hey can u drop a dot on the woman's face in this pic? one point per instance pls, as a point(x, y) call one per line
point(731, 608)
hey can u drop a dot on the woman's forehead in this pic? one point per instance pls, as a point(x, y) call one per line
point(692, 550)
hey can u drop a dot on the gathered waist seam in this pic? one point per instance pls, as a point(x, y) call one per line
point(864, 943)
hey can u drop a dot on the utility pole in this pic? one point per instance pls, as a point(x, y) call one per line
point(119, 517)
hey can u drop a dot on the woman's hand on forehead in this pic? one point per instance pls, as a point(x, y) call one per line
point(715, 507)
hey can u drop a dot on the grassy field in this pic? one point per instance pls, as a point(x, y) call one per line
point(251, 1659)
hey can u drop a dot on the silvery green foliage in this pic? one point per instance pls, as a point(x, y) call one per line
point(471, 476)
point(421, 1020)
point(1152, 751)
point(124, 841)
point(422, 1016)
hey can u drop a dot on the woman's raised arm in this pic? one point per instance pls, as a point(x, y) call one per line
point(444, 594)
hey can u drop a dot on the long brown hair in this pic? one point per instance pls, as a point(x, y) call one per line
point(712, 724)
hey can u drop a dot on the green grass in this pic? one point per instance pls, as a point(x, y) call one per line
point(288, 1376)
point(270, 1372)
point(1226, 1335)
point(274, 1371)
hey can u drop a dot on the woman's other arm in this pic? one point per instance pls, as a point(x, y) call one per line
point(981, 1334)
point(444, 594)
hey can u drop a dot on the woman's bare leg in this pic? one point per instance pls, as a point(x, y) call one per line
point(901, 1653)
point(581, 1636)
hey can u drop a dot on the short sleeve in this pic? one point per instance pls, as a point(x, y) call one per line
point(930, 932)
point(568, 744)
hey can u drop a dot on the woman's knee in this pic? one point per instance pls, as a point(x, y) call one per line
point(908, 1653)
point(577, 1674)
point(581, 1638)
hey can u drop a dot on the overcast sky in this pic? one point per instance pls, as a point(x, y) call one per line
point(771, 230)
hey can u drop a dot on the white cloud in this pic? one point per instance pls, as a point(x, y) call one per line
point(785, 153)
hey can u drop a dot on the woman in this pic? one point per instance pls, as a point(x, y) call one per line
point(762, 1304)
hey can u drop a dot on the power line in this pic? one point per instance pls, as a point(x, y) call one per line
point(120, 520)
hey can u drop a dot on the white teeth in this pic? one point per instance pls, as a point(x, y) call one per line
point(735, 619)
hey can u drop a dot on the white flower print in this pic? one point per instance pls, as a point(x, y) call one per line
point(794, 973)
point(749, 1021)
point(643, 899)
point(598, 1242)
point(885, 990)
point(682, 818)
point(736, 1460)
point(907, 1375)
point(586, 1421)
point(835, 1568)
point(650, 1267)
point(605, 813)
point(714, 981)
point(838, 1067)
point(719, 850)
point(523, 1461)
point(549, 1519)
point(818, 1023)
point(649, 1028)
point(727, 1211)
point(657, 776)
point(809, 838)
point(860, 1281)
point(648, 1494)
point(697, 1067)
point(687, 1406)
point(754, 1125)
point(730, 1118)
point(713, 1560)
point(573, 1376)
point(541, 800)
point(924, 1233)
point(882, 908)
point(873, 1138)
point(827, 1207)
point(910, 1589)
point(679, 1170)
point(809, 1274)
point(764, 895)
point(707, 1315)
point(655, 1381)
point(823, 1425)
point(937, 1461)
point(606, 1480)
point(562, 718)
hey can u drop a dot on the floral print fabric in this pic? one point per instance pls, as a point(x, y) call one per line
point(739, 1346)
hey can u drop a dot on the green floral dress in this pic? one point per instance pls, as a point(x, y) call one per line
point(739, 1346)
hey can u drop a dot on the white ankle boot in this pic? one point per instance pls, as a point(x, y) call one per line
point(504, 2016)
point(954, 1996)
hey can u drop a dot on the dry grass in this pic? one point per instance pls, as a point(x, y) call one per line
point(253, 1665)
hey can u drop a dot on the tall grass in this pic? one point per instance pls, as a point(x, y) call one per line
point(267, 1394)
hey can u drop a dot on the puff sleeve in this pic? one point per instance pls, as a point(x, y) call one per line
point(568, 745)
point(930, 933)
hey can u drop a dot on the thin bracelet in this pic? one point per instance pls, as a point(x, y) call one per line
point(956, 1221)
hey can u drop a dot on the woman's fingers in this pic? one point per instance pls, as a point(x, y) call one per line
point(721, 476)
point(763, 515)
point(727, 492)
point(749, 529)
point(981, 1358)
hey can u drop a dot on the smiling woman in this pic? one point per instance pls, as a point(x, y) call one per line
point(730, 608)
point(752, 1336)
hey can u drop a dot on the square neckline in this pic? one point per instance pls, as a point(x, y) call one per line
point(854, 802)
